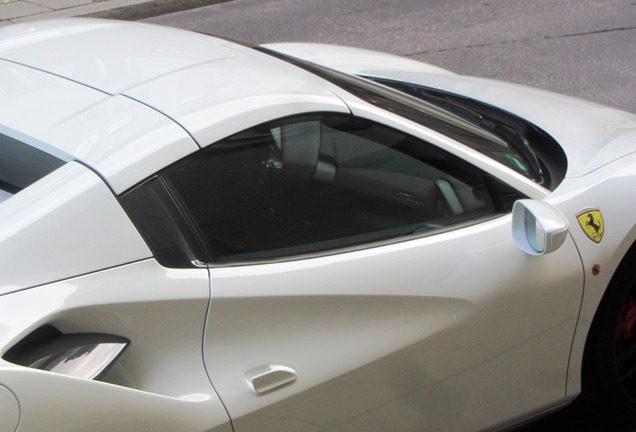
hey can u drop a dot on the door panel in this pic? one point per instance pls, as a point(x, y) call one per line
point(437, 333)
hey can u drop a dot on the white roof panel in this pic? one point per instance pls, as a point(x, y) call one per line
point(127, 99)
point(107, 55)
point(123, 140)
point(216, 99)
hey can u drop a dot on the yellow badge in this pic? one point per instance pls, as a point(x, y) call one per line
point(592, 223)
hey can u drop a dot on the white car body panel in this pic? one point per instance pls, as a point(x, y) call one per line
point(446, 315)
point(598, 141)
point(592, 135)
point(194, 96)
point(500, 171)
point(149, 52)
point(435, 332)
point(36, 102)
point(355, 60)
point(126, 141)
point(163, 383)
point(123, 140)
point(600, 189)
point(9, 411)
point(73, 211)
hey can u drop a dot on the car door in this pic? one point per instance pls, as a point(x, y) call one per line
point(364, 279)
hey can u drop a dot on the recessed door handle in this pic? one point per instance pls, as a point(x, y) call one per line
point(270, 377)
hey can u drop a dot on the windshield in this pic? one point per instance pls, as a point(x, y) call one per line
point(485, 135)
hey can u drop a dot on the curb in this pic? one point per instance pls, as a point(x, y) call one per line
point(152, 9)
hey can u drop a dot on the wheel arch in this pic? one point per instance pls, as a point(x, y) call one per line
point(595, 293)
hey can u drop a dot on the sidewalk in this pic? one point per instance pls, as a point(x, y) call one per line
point(14, 11)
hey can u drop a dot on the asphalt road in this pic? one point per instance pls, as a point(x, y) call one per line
point(583, 48)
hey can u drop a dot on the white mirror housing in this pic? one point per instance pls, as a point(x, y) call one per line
point(537, 227)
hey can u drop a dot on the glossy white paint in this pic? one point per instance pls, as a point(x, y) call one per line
point(32, 102)
point(270, 377)
point(354, 60)
point(211, 88)
point(110, 56)
point(432, 333)
point(218, 99)
point(124, 141)
point(537, 227)
point(591, 134)
point(177, 82)
point(420, 335)
point(161, 311)
point(9, 411)
point(121, 139)
point(67, 224)
point(500, 171)
point(603, 189)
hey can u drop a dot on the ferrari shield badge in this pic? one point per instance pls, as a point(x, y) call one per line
point(592, 223)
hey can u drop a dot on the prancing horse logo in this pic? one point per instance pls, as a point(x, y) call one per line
point(592, 223)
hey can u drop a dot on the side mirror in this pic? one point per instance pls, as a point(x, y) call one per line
point(537, 227)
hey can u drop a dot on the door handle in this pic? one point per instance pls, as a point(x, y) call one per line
point(270, 377)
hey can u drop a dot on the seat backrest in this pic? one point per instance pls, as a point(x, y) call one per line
point(301, 149)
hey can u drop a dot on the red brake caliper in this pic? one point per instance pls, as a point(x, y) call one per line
point(627, 323)
point(626, 329)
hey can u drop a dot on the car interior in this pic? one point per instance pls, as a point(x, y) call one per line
point(307, 184)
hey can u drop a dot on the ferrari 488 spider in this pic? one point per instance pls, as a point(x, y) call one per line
point(199, 235)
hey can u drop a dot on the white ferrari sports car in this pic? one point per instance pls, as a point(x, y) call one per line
point(199, 235)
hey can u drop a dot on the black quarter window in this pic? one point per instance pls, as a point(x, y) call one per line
point(316, 183)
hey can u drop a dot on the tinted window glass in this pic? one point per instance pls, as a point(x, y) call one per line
point(22, 165)
point(314, 183)
point(528, 149)
point(486, 135)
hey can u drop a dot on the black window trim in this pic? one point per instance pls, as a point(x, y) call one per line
point(551, 156)
point(360, 247)
point(163, 225)
point(356, 85)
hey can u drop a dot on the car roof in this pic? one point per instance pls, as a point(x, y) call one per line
point(129, 98)
point(110, 56)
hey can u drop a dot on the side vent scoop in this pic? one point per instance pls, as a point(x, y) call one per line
point(81, 355)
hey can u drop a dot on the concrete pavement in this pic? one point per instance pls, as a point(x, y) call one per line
point(14, 11)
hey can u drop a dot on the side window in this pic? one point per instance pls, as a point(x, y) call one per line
point(314, 183)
